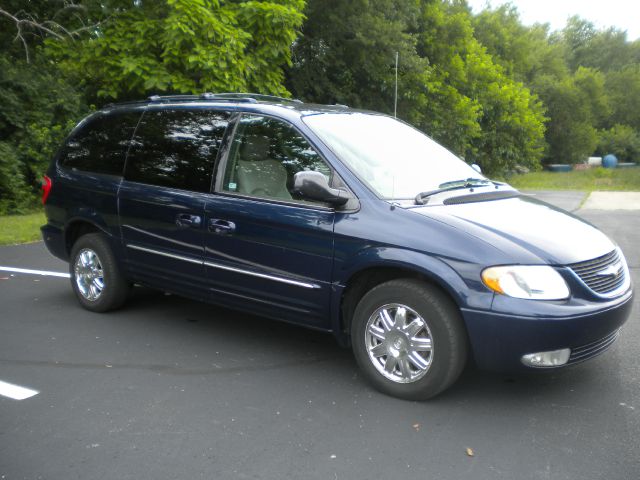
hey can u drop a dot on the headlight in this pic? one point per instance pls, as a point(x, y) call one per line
point(536, 282)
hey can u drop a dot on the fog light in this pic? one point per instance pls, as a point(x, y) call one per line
point(554, 358)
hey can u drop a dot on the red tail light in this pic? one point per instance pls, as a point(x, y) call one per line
point(46, 188)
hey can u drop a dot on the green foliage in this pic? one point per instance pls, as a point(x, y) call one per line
point(37, 110)
point(587, 79)
point(570, 135)
point(13, 197)
point(509, 118)
point(447, 84)
point(576, 105)
point(525, 52)
point(621, 140)
point(186, 46)
point(623, 88)
point(48, 12)
point(346, 54)
point(453, 113)
point(604, 50)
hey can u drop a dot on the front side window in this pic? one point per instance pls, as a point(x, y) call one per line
point(177, 148)
point(265, 155)
point(101, 145)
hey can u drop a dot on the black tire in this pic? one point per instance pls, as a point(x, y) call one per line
point(444, 327)
point(115, 287)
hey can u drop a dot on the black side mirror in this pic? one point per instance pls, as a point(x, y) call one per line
point(315, 186)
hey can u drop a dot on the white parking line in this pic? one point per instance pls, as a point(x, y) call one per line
point(35, 272)
point(15, 391)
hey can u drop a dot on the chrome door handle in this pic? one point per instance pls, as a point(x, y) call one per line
point(219, 226)
point(185, 220)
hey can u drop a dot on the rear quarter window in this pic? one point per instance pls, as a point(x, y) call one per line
point(101, 145)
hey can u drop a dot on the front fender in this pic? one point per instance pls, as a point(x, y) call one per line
point(437, 270)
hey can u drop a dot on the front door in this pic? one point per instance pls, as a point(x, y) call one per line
point(265, 249)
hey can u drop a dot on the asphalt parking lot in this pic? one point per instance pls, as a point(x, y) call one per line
point(168, 388)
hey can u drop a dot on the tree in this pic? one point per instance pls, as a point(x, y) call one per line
point(346, 55)
point(510, 118)
point(38, 108)
point(38, 105)
point(623, 88)
point(24, 30)
point(524, 51)
point(570, 133)
point(587, 78)
point(185, 46)
point(448, 85)
point(605, 50)
point(347, 51)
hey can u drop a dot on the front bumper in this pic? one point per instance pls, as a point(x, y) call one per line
point(499, 340)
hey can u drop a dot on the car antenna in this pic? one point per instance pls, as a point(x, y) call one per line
point(395, 97)
point(393, 191)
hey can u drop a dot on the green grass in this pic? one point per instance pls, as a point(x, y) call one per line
point(21, 228)
point(622, 179)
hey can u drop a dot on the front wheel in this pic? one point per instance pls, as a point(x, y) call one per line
point(95, 275)
point(409, 339)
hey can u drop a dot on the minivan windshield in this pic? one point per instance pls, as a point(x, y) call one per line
point(397, 161)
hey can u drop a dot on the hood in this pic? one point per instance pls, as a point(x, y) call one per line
point(528, 230)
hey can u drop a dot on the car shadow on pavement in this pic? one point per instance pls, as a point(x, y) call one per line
point(282, 345)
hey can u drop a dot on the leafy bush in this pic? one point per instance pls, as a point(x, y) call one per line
point(37, 111)
point(621, 140)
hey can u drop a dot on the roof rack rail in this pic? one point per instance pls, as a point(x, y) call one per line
point(125, 102)
point(227, 96)
point(204, 96)
point(256, 96)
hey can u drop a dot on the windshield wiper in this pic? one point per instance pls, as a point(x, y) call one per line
point(466, 182)
point(455, 185)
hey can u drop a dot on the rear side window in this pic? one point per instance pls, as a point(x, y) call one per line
point(177, 148)
point(101, 145)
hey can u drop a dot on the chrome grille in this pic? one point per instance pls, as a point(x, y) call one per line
point(592, 349)
point(595, 275)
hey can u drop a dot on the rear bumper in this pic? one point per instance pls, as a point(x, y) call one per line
point(499, 340)
point(54, 240)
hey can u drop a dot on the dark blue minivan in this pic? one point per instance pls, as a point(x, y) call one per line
point(341, 220)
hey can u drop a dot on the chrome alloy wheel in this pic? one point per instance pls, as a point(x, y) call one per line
point(88, 274)
point(399, 343)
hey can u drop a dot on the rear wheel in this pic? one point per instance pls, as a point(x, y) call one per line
point(95, 275)
point(409, 339)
